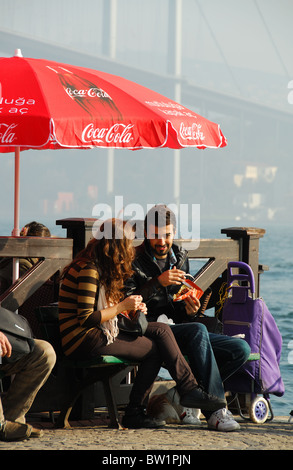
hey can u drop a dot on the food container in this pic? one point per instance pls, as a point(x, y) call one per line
point(188, 288)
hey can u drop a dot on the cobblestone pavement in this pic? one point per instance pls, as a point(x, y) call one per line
point(95, 435)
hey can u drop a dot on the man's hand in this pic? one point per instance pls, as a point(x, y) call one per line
point(192, 304)
point(172, 276)
point(5, 346)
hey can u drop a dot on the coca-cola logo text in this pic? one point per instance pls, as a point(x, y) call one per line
point(7, 134)
point(118, 133)
point(192, 132)
point(90, 92)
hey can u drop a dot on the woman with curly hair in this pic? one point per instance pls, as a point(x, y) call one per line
point(90, 298)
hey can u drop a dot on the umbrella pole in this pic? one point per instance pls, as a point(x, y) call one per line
point(16, 193)
point(16, 230)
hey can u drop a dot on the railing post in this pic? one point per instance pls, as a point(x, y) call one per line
point(248, 247)
point(80, 230)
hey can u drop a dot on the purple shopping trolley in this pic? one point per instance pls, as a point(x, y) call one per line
point(244, 314)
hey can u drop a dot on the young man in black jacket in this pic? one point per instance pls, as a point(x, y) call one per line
point(159, 269)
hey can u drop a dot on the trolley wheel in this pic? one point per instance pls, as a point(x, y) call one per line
point(259, 410)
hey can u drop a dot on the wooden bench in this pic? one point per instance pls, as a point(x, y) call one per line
point(100, 369)
point(70, 378)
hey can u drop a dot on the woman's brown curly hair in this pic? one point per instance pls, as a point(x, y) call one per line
point(112, 252)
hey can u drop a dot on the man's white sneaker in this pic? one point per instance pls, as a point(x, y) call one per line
point(188, 417)
point(222, 420)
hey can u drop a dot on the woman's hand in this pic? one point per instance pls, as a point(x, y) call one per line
point(133, 302)
point(5, 346)
point(143, 308)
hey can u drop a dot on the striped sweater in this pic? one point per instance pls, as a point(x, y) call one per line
point(77, 305)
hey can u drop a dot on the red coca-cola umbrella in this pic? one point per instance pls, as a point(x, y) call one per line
point(50, 105)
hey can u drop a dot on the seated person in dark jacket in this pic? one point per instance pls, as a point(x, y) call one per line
point(159, 268)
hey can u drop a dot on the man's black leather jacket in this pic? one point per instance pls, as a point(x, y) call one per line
point(145, 282)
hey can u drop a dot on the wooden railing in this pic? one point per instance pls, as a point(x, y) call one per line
point(242, 245)
point(55, 253)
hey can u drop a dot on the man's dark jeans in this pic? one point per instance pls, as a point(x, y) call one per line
point(212, 357)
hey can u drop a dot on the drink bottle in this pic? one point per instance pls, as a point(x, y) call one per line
point(90, 97)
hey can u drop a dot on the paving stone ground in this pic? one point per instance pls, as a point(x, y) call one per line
point(95, 435)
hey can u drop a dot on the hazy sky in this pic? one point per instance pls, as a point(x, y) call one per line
point(241, 49)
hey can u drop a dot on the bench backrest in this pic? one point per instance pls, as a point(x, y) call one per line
point(48, 319)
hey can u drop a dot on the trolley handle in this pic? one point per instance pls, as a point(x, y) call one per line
point(241, 277)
